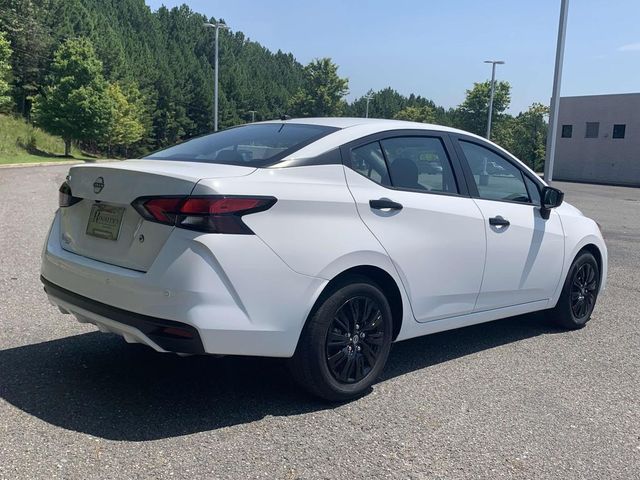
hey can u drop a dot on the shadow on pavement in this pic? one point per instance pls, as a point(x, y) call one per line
point(95, 383)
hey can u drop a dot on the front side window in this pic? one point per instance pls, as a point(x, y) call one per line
point(256, 145)
point(533, 189)
point(419, 163)
point(495, 177)
point(368, 160)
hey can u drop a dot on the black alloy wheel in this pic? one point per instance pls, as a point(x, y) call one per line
point(355, 339)
point(584, 288)
point(579, 293)
point(346, 341)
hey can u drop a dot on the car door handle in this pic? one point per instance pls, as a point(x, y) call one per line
point(499, 222)
point(385, 203)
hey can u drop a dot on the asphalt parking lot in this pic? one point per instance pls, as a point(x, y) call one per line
point(510, 399)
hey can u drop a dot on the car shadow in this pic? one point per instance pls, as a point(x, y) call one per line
point(95, 383)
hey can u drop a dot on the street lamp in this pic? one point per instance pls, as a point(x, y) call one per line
point(217, 26)
point(493, 88)
point(368, 97)
point(552, 133)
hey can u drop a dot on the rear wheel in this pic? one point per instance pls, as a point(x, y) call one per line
point(579, 294)
point(345, 343)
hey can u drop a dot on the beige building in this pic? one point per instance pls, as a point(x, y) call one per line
point(599, 139)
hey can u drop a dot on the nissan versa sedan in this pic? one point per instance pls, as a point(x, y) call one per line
point(318, 240)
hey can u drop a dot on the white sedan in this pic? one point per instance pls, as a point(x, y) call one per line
point(319, 240)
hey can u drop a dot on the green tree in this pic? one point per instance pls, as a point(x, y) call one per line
point(76, 106)
point(388, 103)
point(385, 103)
point(472, 114)
point(322, 92)
point(530, 135)
point(125, 125)
point(424, 114)
point(24, 22)
point(5, 70)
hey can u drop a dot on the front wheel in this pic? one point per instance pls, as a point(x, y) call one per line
point(346, 342)
point(579, 293)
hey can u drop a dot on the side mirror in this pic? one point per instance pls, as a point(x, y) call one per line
point(551, 198)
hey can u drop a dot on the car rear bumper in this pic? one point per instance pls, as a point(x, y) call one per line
point(159, 333)
point(232, 292)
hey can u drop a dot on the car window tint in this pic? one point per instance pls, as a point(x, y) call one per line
point(368, 160)
point(255, 145)
point(495, 177)
point(419, 163)
point(534, 190)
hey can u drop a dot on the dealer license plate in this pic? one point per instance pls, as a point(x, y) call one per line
point(105, 221)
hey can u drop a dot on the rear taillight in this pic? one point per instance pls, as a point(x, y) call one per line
point(212, 214)
point(65, 198)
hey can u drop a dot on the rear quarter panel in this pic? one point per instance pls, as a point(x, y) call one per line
point(314, 227)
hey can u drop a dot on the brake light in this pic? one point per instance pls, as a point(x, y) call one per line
point(65, 198)
point(163, 210)
point(212, 214)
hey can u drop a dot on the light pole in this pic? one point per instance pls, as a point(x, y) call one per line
point(217, 26)
point(493, 88)
point(368, 97)
point(552, 133)
point(253, 115)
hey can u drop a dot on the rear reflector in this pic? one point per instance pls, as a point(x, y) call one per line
point(212, 214)
point(176, 332)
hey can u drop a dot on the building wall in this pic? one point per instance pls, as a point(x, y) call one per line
point(602, 159)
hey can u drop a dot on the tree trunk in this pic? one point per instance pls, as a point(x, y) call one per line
point(67, 147)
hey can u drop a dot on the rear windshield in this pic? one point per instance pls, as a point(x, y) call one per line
point(256, 145)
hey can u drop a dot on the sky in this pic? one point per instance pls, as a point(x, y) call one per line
point(436, 48)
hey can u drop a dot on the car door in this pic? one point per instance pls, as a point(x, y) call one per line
point(525, 252)
point(408, 193)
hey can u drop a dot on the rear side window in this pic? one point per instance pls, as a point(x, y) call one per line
point(368, 160)
point(256, 145)
point(495, 177)
point(419, 163)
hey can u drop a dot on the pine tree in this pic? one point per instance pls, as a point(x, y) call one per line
point(24, 22)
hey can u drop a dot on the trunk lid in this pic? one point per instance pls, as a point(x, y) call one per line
point(107, 191)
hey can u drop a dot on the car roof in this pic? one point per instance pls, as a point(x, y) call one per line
point(349, 129)
point(352, 128)
point(382, 124)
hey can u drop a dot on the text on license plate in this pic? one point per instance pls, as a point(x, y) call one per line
point(104, 221)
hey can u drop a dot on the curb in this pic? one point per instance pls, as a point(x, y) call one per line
point(46, 164)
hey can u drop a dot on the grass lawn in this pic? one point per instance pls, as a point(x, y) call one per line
point(24, 157)
point(21, 142)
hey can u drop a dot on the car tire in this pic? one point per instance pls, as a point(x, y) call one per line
point(579, 293)
point(346, 341)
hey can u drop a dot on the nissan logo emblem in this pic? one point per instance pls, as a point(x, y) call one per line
point(98, 185)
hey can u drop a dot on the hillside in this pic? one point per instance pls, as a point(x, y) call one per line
point(149, 81)
point(21, 142)
point(165, 56)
